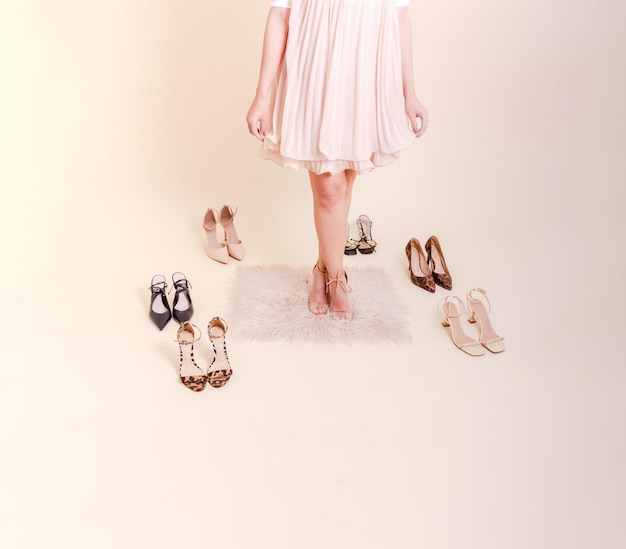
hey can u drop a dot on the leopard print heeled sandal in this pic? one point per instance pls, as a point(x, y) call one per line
point(220, 371)
point(191, 375)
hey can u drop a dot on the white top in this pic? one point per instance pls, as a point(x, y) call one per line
point(287, 3)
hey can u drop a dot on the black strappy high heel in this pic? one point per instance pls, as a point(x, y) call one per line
point(182, 306)
point(160, 311)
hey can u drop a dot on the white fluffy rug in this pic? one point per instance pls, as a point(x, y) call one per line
point(270, 304)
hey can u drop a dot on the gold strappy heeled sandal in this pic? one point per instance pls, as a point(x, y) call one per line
point(191, 375)
point(341, 281)
point(220, 371)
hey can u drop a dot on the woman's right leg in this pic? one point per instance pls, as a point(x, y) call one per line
point(330, 193)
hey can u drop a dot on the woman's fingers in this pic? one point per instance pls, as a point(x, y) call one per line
point(256, 120)
point(256, 127)
point(423, 126)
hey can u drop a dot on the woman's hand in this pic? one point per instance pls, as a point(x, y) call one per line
point(257, 117)
point(415, 110)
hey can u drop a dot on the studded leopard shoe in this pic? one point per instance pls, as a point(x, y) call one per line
point(420, 272)
point(437, 263)
point(220, 371)
point(191, 375)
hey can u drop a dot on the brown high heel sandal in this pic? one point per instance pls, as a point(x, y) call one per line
point(315, 307)
point(340, 281)
point(421, 274)
point(191, 375)
point(437, 263)
point(220, 371)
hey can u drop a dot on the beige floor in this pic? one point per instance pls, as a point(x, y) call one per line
point(123, 124)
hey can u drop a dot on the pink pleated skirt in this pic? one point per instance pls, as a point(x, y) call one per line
point(338, 102)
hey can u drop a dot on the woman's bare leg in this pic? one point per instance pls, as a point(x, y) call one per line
point(331, 200)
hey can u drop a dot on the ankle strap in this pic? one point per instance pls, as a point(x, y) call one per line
point(340, 282)
point(484, 297)
point(181, 285)
point(159, 287)
point(217, 321)
point(231, 213)
point(182, 327)
point(323, 271)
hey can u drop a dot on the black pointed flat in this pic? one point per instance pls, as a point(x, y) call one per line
point(182, 307)
point(159, 308)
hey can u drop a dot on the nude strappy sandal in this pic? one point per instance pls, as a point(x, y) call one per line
point(452, 308)
point(316, 307)
point(340, 281)
point(476, 300)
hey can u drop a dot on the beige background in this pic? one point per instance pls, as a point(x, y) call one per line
point(121, 122)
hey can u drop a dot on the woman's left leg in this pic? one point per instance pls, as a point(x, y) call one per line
point(331, 201)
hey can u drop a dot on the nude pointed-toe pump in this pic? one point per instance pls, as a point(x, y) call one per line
point(216, 248)
point(233, 243)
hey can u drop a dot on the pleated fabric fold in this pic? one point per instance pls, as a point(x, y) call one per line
point(337, 102)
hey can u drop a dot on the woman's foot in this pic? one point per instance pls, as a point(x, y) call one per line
point(338, 290)
point(318, 296)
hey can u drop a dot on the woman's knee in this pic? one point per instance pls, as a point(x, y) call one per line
point(330, 191)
